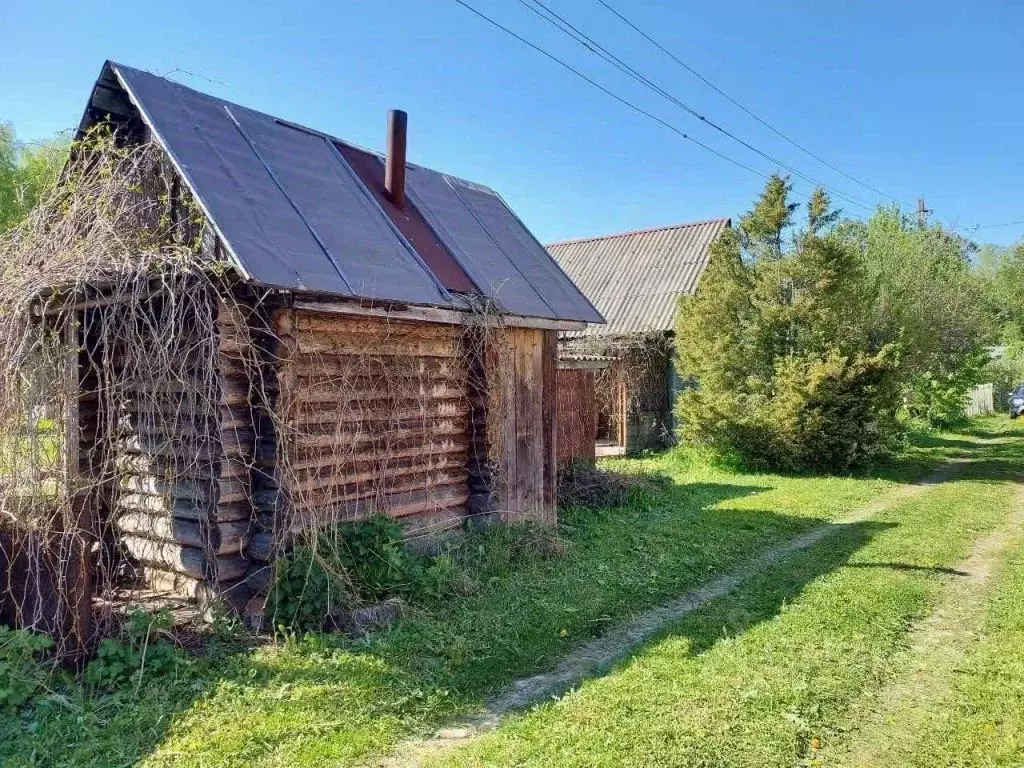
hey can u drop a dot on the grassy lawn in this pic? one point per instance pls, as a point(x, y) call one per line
point(748, 680)
point(767, 675)
point(959, 698)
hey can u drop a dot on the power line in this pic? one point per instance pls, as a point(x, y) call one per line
point(742, 107)
point(606, 91)
point(999, 226)
point(596, 48)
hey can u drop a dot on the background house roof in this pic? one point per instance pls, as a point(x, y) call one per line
point(634, 278)
point(294, 214)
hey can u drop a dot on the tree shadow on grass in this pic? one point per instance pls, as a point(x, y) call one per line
point(340, 699)
point(909, 567)
point(433, 668)
point(999, 460)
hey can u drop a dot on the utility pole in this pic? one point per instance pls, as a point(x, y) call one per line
point(922, 213)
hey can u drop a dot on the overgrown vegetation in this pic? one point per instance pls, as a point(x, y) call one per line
point(923, 292)
point(144, 646)
point(352, 564)
point(1002, 274)
point(815, 344)
point(22, 672)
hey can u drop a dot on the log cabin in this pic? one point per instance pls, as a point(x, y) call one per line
point(385, 343)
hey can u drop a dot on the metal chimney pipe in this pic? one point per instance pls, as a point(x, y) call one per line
point(394, 168)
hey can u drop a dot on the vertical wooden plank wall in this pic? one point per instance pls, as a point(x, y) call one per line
point(577, 416)
point(524, 396)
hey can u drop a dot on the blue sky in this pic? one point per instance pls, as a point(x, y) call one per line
point(915, 98)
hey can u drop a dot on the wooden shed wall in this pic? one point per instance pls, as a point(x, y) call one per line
point(577, 415)
point(182, 502)
point(323, 417)
point(522, 423)
point(375, 415)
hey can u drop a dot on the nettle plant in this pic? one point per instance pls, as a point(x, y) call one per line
point(143, 648)
point(24, 670)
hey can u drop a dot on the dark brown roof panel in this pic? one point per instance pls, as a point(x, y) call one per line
point(408, 220)
point(295, 213)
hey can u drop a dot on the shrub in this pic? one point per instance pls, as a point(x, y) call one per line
point(354, 563)
point(829, 414)
point(309, 584)
point(350, 564)
point(940, 400)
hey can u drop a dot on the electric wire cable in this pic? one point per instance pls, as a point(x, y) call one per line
point(622, 17)
point(602, 52)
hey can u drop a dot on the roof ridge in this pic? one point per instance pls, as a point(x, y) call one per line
point(641, 231)
point(299, 126)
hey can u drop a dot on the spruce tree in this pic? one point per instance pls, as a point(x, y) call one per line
point(777, 342)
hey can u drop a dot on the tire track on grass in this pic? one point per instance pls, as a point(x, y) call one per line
point(598, 655)
point(938, 646)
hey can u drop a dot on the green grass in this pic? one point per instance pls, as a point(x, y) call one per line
point(984, 722)
point(327, 700)
point(969, 709)
point(762, 677)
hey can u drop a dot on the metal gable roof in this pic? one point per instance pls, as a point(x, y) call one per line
point(295, 215)
point(635, 278)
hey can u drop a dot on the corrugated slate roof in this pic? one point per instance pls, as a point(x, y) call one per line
point(294, 213)
point(634, 278)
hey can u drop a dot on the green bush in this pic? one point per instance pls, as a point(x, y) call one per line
point(350, 564)
point(23, 672)
point(309, 585)
point(373, 555)
point(940, 400)
point(1006, 375)
point(829, 414)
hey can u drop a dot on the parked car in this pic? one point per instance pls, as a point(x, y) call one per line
point(1017, 402)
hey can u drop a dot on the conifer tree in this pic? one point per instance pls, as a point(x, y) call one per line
point(778, 344)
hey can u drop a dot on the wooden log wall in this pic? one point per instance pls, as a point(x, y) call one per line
point(185, 447)
point(322, 418)
point(577, 416)
point(374, 416)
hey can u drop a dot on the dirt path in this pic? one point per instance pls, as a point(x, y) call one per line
point(938, 647)
point(600, 654)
